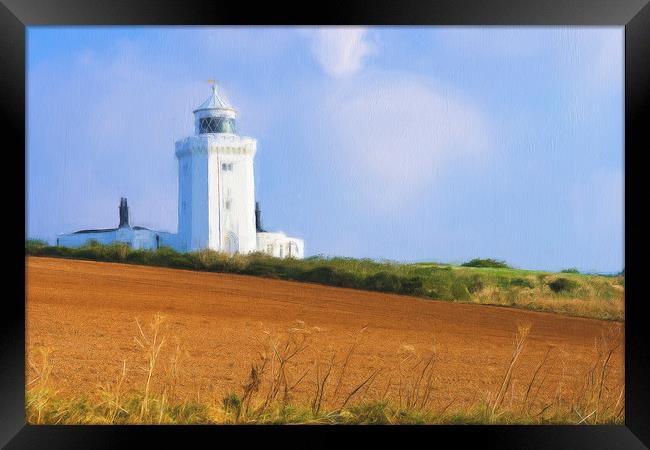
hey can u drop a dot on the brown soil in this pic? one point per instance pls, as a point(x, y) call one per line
point(85, 313)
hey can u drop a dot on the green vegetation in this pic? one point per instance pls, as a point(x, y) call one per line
point(594, 296)
point(571, 270)
point(563, 285)
point(62, 411)
point(35, 244)
point(478, 262)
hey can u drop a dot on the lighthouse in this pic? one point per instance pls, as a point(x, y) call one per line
point(216, 195)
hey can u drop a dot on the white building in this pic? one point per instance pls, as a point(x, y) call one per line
point(216, 195)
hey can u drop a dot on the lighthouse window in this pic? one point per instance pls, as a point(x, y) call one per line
point(217, 125)
point(226, 167)
point(228, 203)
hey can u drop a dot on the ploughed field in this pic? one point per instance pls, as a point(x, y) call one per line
point(216, 325)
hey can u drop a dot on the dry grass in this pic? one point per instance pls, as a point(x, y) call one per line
point(590, 304)
point(267, 395)
point(520, 341)
point(151, 345)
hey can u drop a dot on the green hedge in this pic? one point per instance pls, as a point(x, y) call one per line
point(435, 281)
point(487, 262)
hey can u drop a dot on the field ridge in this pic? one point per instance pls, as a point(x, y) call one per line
point(601, 297)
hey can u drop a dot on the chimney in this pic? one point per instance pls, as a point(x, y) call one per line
point(258, 218)
point(124, 213)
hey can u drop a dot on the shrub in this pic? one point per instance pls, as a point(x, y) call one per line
point(503, 282)
point(321, 274)
point(383, 281)
point(412, 285)
point(168, 257)
point(459, 291)
point(34, 244)
point(262, 268)
point(232, 403)
point(375, 413)
point(521, 282)
point(327, 275)
point(486, 262)
point(347, 279)
point(182, 262)
point(562, 285)
point(139, 257)
point(570, 270)
point(475, 284)
point(117, 251)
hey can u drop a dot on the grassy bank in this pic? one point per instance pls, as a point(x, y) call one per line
point(62, 411)
point(570, 293)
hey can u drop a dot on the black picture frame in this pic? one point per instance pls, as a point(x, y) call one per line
point(634, 15)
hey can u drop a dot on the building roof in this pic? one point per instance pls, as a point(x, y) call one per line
point(124, 221)
point(215, 101)
point(104, 230)
point(108, 230)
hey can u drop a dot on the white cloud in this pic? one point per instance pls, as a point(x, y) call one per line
point(395, 134)
point(341, 51)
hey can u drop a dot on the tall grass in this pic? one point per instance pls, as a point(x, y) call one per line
point(267, 395)
point(151, 345)
point(567, 293)
point(520, 341)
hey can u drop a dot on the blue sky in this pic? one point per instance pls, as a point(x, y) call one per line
point(405, 143)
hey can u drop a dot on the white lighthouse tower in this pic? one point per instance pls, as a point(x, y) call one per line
point(216, 198)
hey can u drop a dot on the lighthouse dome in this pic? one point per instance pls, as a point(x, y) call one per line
point(215, 115)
